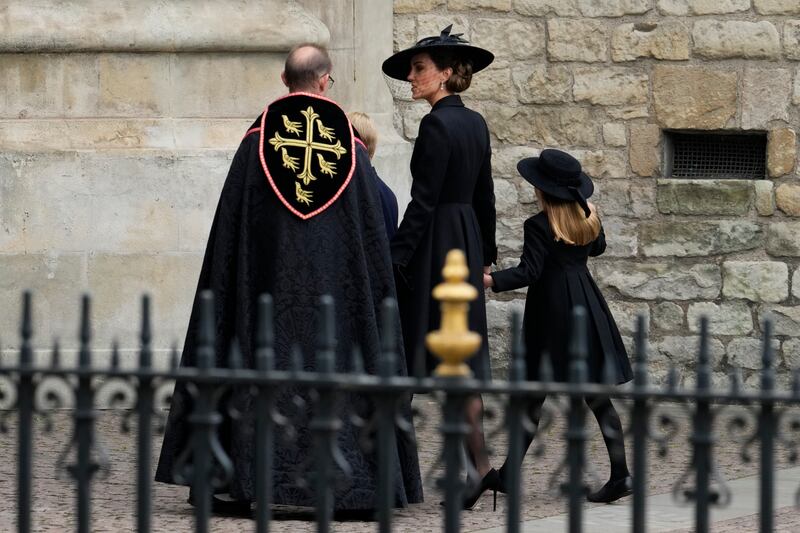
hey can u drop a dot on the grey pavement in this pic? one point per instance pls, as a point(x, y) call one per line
point(113, 502)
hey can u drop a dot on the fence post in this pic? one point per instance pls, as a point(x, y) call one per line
point(453, 343)
point(701, 436)
point(84, 423)
point(25, 429)
point(265, 361)
point(386, 438)
point(639, 422)
point(144, 407)
point(325, 424)
point(204, 419)
point(576, 423)
point(516, 410)
point(766, 432)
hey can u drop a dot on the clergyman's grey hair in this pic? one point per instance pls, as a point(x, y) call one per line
point(305, 64)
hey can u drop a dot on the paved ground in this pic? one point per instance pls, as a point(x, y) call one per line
point(113, 498)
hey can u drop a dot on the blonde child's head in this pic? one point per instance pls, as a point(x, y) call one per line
point(568, 221)
point(366, 130)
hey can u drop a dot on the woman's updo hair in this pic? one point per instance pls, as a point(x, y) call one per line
point(461, 77)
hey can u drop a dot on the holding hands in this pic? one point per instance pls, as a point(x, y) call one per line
point(487, 277)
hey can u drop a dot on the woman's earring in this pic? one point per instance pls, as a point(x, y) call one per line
point(441, 86)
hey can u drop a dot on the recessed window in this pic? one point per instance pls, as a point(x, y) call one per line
point(715, 155)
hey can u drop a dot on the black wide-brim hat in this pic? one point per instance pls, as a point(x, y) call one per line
point(559, 175)
point(399, 65)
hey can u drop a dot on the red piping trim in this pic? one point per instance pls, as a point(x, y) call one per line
point(251, 130)
point(269, 176)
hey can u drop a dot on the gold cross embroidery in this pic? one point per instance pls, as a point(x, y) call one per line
point(326, 167)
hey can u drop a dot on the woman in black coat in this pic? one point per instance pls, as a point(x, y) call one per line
point(452, 204)
point(558, 243)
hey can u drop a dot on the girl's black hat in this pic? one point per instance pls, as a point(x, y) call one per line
point(398, 65)
point(558, 174)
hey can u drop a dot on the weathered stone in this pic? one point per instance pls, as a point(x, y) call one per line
point(736, 38)
point(777, 7)
point(416, 6)
point(613, 198)
point(613, 8)
point(601, 164)
point(208, 96)
point(505, 194)
point(576, 40)
point(653, 281)
point(758, 281)
point(668, 41)
point(493, 84)
point(643, 200)
point(690, 239)
point(492, 5)
point(791, 353)
point(405, 31)
point(564, 126)
point(157, 26)
point(498, 317)
point(702, 7)
point(56, 281)
point(614, 134)
point(765, 199)
point(668, 316)
point(785, 320)
point(728, 318)
point(542, 84)
point(693, 97)
point(510, 233)
point(539, 8)
point(704, 197)
point(508, 38)
point(796, 92)
point(626, 314)
point(796, 283)
point(765, 97)
point(781, 151)
point(628, 112)
point(610, 86)
point(791, 39)
point(683, 351)
point(621, 237)
point(787, 197)
point(746, 352)
point(644, 152)
point(134, 85)
point(412, 116)
point(783, 239)
point(505, 158)
point(118, 281)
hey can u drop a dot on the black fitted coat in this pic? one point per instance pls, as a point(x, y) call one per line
point(452, 206)
point(558, 280)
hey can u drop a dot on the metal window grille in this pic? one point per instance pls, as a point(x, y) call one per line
point(716, 155)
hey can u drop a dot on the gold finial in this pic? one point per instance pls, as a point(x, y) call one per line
point(453, 343)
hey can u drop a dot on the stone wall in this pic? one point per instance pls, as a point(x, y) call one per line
point(603, 79)
point(117, 127)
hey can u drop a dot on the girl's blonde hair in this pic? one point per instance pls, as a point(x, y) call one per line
point(568, 220)
point(366, 130)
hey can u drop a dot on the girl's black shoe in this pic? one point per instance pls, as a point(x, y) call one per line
point(236, 508)
point(613, 490)
point(490, 481)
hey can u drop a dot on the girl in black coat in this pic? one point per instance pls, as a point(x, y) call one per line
point(558, 242)
point(452, 206)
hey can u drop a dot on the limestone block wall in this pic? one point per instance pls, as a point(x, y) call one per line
point(604, 79)
point(118, 121)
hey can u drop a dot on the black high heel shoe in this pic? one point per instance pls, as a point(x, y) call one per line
point(491, 481)
point(613, 490)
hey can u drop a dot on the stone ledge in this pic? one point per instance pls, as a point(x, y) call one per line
point(156, 26)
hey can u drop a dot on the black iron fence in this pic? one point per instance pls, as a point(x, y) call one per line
point(766, 418)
